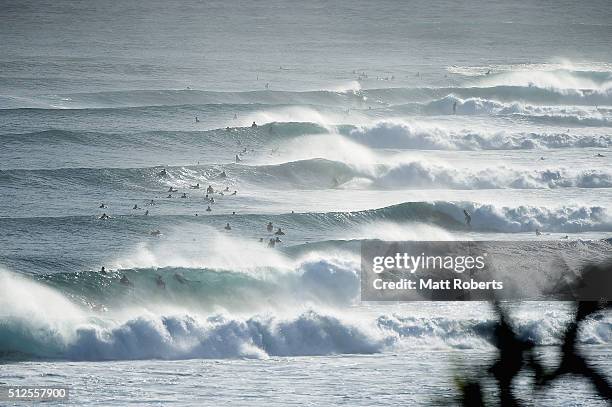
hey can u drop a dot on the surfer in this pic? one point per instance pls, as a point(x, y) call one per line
point(599, 155)
point(270, 227)
point(211, 200)
point(102, 206)
point(103, 270)
point(271, 243)
point(196, 186)
point(169, 196)
point(538, 233)
point(279, 232)
point(104, 217)
point(155, 232)
point(146, 213)
point(235, 192)
point(197, 120)
point(223, 174)
point(135, 206)
point(238, 158)
point(126, 281)
point(226, 189)
point(277, 240)
point(160, 282)
point(152, 203)
point(210, 190)
point(184, 195)
point(455, 107)
point(208, 209)
point(468, 218)
point(254, 125)
point(172, 190)
point(228, 227)
point(162, 173)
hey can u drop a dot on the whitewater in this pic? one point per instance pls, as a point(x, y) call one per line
point(386, 122)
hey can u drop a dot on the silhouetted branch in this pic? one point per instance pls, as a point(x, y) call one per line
point(515, 354)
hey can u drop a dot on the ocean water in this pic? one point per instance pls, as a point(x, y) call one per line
point(375, 120)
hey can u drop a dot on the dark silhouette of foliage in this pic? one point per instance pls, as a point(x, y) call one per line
point(516, 354)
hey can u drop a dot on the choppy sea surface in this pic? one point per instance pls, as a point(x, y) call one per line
point(375, 120)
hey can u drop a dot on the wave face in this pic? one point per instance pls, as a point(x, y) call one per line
point(311, 174)
point(560, 86)
point(411, 220)
point(204, 138)
point(271, 142)
point(384, 134)
point(186, 97)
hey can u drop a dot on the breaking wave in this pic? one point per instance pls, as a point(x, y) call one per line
point(384, 134)
point(560, 79)
point(70, 331)
point(560, 87)
point(583, 115)
point(447, 215)
point(315, 174)
point(419, 137)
